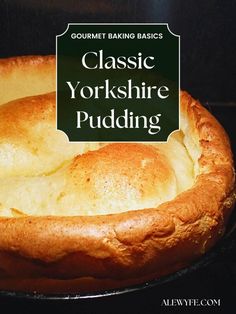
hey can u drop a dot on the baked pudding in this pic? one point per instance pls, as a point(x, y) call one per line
point(78, 217)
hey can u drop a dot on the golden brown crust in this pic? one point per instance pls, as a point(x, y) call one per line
point(25, 112)
point(26, 76)
point(135, 244)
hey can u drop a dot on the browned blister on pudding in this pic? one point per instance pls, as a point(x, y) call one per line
point(90, 216)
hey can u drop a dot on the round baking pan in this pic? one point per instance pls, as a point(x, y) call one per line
point(222, 247)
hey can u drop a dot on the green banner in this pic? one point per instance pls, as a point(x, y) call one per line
point(118, 82)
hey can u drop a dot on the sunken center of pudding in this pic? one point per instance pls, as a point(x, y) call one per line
point(111, 178)
point(121, 177)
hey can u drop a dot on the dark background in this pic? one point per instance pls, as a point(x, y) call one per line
point(208, 72)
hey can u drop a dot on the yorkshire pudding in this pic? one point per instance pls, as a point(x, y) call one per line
point(88, 216)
